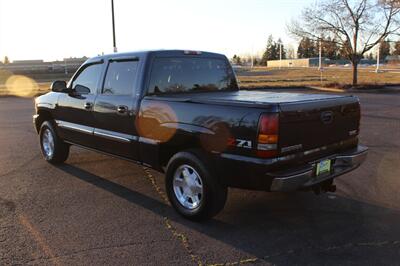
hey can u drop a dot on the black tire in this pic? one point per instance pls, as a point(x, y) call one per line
point(60, 148)
point(214, 193)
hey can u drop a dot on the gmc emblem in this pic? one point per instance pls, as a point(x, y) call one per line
point(327, 117)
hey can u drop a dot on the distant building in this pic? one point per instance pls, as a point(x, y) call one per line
point(366, 61)
point(27, 62)
point(392, 59)
point(314, 62)
point(27, 65)
point(75, 60)
point(301, 62)
point(68, 65)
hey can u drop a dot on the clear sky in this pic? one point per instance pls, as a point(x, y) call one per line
point(54, 29)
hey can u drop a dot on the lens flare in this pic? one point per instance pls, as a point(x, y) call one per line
point(4, 75)
point(22, 86)
point(157, 121)
point(219, 141)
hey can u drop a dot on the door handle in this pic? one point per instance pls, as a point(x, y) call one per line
point(122, 109)
point(88, 105)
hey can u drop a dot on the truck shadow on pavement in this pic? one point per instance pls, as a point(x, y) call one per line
point(298, 228)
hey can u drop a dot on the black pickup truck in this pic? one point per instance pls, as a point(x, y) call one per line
point(182, 113)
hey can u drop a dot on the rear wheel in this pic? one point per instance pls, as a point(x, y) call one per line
point(54, 150)
point(192, 189)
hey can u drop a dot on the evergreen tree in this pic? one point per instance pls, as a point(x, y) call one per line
point(307, 48)
point(384, 49)
point(313, 50)
point(233, 58)
point(344, 50)
point(236, 60)
point(271, 51)
point(329, 48)
point(278, 49)
point(300, 49)
point(396, 50)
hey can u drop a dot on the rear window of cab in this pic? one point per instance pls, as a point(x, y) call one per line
point(191, 74)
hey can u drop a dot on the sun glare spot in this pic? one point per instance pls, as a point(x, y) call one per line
point(157, 121)
point(21, 86)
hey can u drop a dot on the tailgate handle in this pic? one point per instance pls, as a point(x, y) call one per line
point(327, 117)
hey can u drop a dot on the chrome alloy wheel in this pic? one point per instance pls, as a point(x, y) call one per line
point(48, 143)
point(188, 187)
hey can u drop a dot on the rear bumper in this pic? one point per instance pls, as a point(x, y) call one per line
point(341, 164)
point(279, 174)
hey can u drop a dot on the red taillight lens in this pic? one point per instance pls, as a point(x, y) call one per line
point(268, 130)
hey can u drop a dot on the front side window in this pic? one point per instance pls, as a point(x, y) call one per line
point(121, 78)
point(172, 75)
point(88, 78)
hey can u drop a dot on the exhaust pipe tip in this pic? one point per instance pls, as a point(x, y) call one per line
point(316, 190)
point(331, 188)
point(324, 187)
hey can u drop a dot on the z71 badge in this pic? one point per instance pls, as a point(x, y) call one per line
point(240, 143)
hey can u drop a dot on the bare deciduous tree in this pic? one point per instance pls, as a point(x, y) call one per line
point(356, 25)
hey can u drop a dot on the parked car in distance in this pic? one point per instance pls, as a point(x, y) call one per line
point(182, 113)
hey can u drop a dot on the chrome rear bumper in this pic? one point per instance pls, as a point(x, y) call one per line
point(305, 177)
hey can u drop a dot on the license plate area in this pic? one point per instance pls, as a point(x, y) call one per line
point(323, 167)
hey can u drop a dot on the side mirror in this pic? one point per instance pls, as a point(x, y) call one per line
point(80, 89)
point(59, 86)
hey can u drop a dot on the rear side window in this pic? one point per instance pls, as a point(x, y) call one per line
point(121, 78)
point(190, 74)
point(88, 78)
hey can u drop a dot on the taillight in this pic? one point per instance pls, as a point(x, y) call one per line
point(267, 141)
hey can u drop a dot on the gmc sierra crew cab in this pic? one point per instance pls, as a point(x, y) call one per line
point(182, 113)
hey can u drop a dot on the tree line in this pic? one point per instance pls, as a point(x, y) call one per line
point(309, 48)
point(347, 29)
point(331, 49)
point(356, 26)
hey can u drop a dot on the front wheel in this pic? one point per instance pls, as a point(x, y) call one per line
point(192, 189)
point(54, 150)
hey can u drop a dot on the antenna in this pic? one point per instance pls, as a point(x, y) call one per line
point(113, 26)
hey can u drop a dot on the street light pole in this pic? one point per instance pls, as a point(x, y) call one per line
point(65, 67)
point(113, 26)
point(280, 54)
point(320, 55)
point(378, 58)
point(252, 55)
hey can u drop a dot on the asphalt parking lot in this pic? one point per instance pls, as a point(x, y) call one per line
point(97, 210)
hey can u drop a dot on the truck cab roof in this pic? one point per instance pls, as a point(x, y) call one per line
point(158, 53)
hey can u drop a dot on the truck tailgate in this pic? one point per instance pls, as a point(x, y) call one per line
point(306, 125)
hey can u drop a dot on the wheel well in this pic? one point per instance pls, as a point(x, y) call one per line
point(198, 151)
point(167, 151)
point(43, 116)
